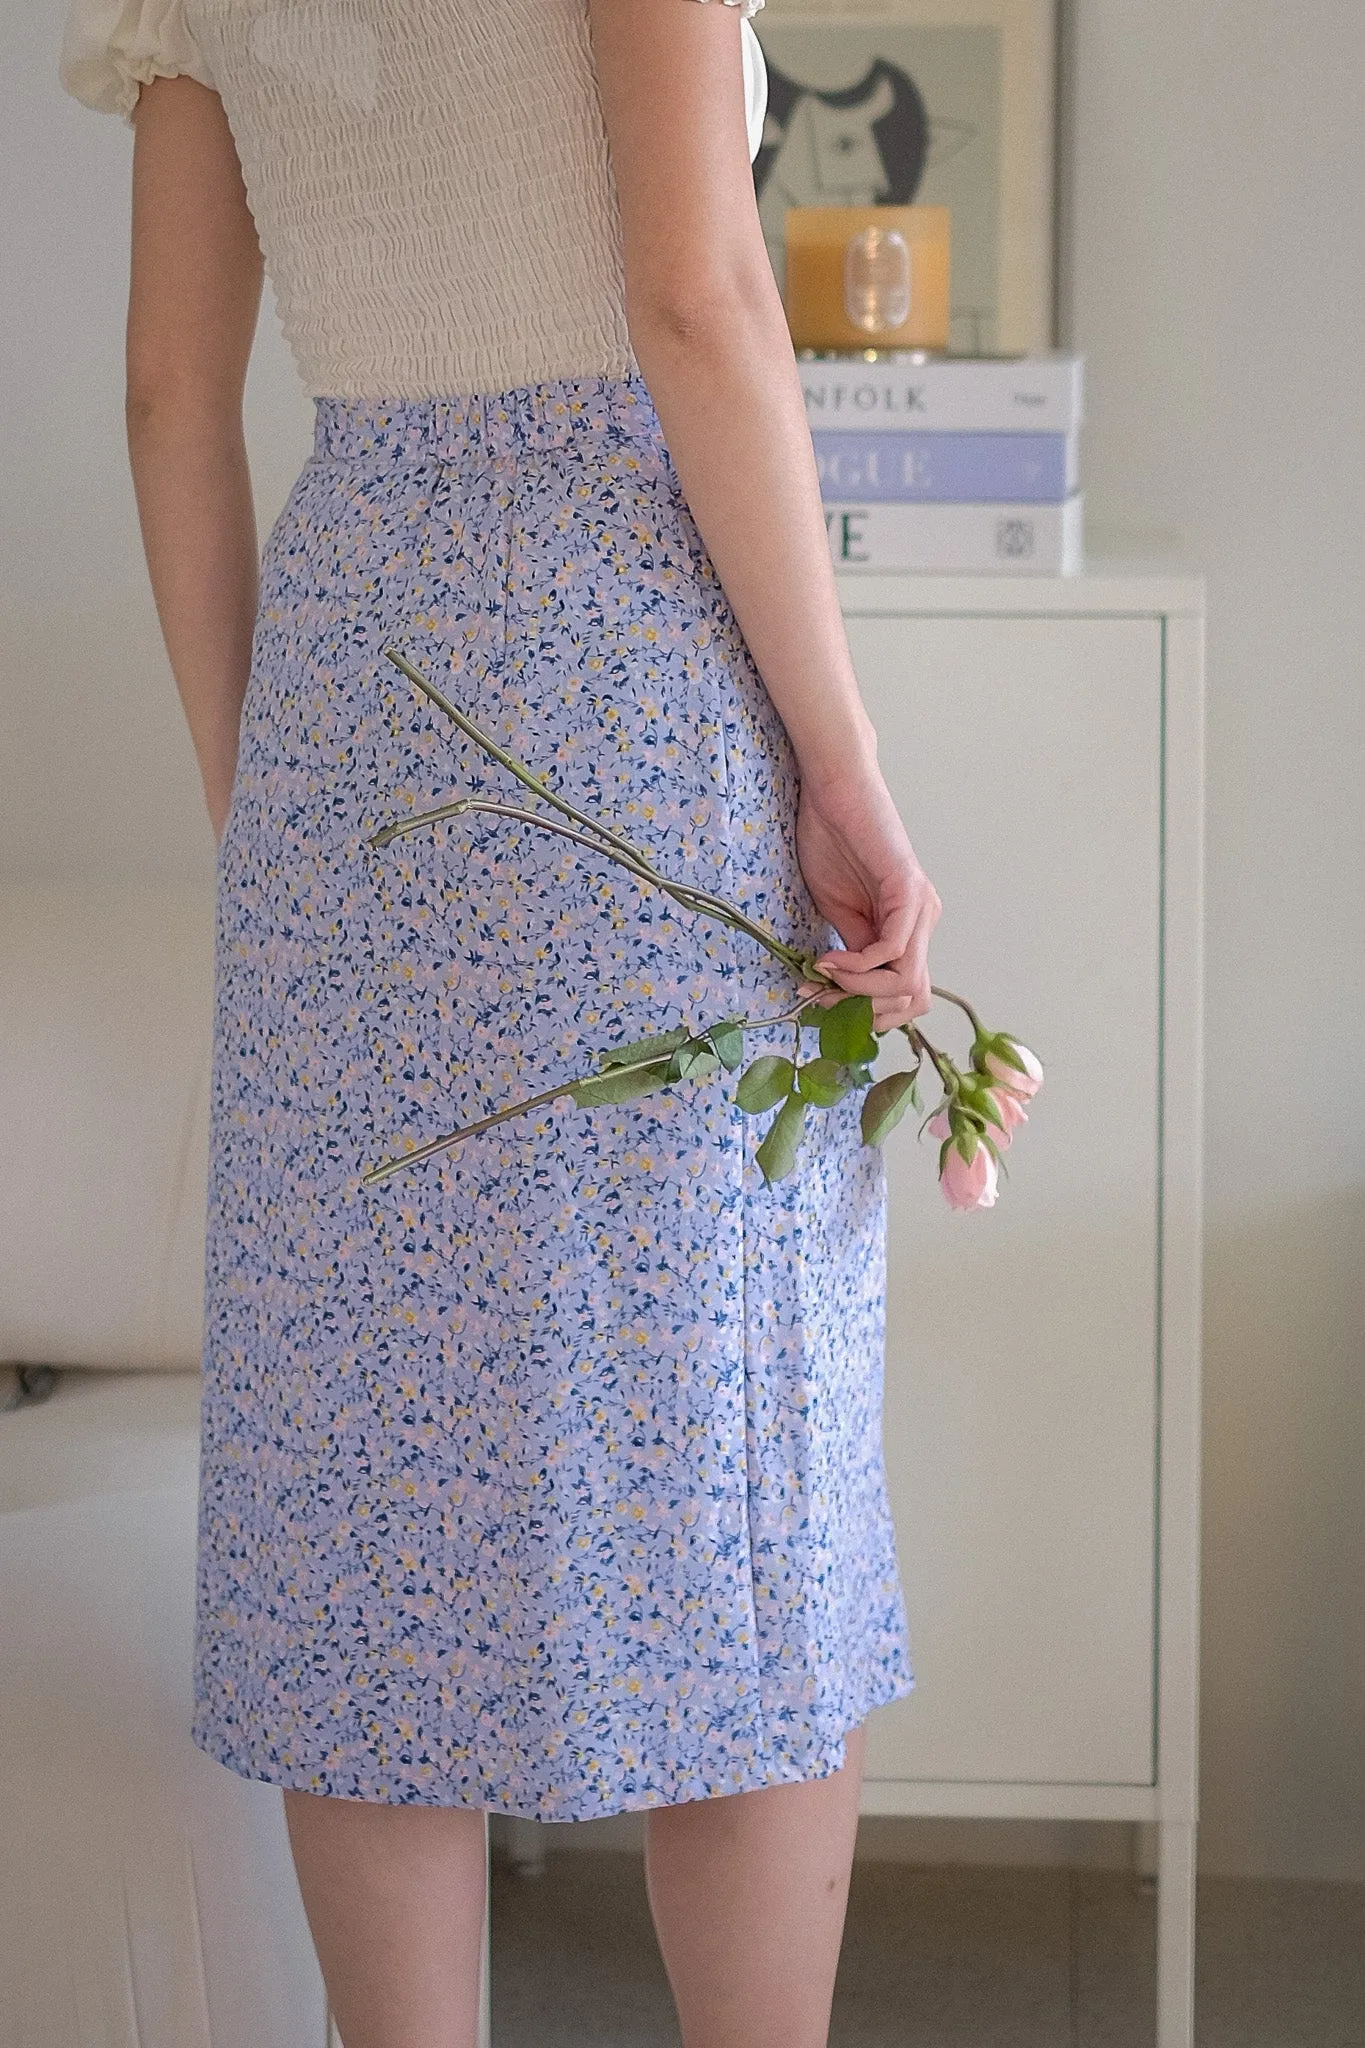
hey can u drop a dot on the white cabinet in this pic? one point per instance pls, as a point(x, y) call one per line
point(1042, 1389)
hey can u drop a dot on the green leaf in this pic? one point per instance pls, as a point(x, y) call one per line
point(960, 1118)
point(727, 1039)
point(813, 1016)
point(986, 1103)
point(644, 1048)
point(846, 1032)
point(693, 1061)
point(622, 1084)
point(764, 1083)
point(777, 1154)
point(886, 1102)
point(1006, 1049)
point(823, 1082)
point(976, 1100)
point(998, 1045)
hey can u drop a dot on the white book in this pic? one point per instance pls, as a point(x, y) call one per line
point(974, 395)
point(1014, 540)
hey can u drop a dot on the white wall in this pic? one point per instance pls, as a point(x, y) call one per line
point(96, 772)
point(1214, 270)
point(1214, 226)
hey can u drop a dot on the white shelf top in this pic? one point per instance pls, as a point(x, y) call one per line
point(1129, 585)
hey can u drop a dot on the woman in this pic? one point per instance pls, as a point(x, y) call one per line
point(543, 1476)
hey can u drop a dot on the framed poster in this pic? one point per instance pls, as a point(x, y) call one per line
point(929, 102)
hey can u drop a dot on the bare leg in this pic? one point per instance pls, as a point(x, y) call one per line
point(395, 1900)
point(748, 1895)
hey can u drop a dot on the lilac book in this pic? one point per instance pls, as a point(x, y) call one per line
point(909, 467)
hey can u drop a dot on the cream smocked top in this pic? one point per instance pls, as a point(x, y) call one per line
point(430, 182)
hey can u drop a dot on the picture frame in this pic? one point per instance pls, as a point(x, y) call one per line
point(931, 102)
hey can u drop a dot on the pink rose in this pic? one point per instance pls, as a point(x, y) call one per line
point(1011, 1111)
point(1025, 1081)
point(969, 1186)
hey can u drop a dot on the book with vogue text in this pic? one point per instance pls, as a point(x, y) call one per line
point(886, 464)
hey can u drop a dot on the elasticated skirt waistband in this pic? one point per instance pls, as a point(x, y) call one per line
point(488, 425)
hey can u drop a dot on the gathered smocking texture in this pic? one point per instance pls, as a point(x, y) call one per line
point(434, 196)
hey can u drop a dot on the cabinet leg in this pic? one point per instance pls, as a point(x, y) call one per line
point(1175, 1936)
point(1144, 1850)
point(524, 1843)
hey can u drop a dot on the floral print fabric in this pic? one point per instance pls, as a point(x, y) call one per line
point(547, 1475)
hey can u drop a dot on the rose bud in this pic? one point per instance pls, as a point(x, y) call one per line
point(1024, 1080)
point(1010, 1111)
point(969, 1186)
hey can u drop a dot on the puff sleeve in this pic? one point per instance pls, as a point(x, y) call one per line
point(755, 83)
point(755, 76)
point(112, 48)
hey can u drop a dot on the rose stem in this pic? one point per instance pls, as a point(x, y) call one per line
point(374, 1174)
point(622, 846)
point(681, 892)
point(946, 995)
point(523, 774)
point(922, 1044)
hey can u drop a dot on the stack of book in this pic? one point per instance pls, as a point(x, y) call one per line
point(948, 463)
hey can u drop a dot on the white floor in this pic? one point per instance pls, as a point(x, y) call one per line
point(951, 1957)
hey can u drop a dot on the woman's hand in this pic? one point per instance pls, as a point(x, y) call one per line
point(863, 876)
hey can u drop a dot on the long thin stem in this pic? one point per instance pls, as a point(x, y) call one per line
point(372, 1177)
point(941, 1064)
point(463, 806)
point(946, 995)
point(509, 761)
point(615, 842)
point(699, 900)
point(387, 1167)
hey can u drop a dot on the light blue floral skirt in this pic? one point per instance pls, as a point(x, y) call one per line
point(545, 1476)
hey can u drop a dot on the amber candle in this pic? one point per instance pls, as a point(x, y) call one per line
point(867, 276)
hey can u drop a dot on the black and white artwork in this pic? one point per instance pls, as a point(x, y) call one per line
point(907, 108)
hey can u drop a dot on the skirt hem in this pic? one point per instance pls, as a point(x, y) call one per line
point(826, 1760)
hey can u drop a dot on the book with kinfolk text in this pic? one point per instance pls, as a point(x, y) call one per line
point(944, 394)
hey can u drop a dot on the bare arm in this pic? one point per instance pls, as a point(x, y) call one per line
point(193, 301)
point(708, 330)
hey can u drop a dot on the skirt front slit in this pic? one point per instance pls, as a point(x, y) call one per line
point(545, 1475)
